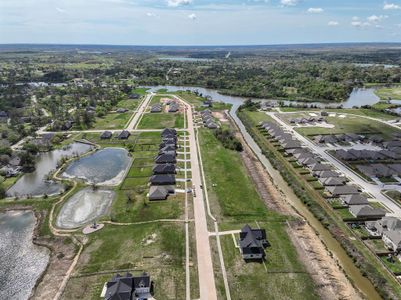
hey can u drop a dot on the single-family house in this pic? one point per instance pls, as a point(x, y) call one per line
point(337, 191)
point(387, 223)
point(160, 192)
point(164, 169)
point(354, 199)
point(128, 287)
point(106, 135)
point(162, 179)
point(366, 212)
point(252, 243)
point(166, 159)
point(392, 239)
point(124, 135)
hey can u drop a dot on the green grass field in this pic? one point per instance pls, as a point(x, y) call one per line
point(112, 121)
point(389, 93)
point(155, 248)
point(161, 120)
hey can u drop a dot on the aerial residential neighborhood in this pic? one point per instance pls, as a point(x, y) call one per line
point(200, 150)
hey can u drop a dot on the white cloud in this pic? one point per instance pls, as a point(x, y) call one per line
point(315, 10)
point(376, 19)
point(289, 2)
point(333, 23)
point(176, 3)
point(360, 24)
point(192, 16)
point(150, 14)
point(355, 18)
point(391, 6)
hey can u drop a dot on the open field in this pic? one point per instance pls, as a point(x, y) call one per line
point(112, 121)
point(161, 120)
point(128, 104)
point(155, 248)
point(350, 124)
point(389, 93)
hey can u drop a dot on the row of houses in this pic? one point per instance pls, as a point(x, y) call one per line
point(208, 120)
point(341, 138)
point(162, 182)
point(380, 170)
point(123, 135)
point(309, 120)
point(369, 155)
point(334, 184)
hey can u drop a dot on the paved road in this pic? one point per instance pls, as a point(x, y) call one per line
point(140, 110)
point(207, 284)
point(373, 189)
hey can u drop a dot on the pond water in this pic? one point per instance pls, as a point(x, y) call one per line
point(84, 207)
point(35, 183)
point(21, 262)
point(104, 167)
point(359, 97)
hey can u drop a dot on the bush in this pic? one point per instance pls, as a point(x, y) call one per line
point(227, 138)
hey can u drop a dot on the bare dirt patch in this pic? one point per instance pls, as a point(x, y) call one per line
point(220, 116)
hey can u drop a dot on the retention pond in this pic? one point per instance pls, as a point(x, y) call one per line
point(84, 207)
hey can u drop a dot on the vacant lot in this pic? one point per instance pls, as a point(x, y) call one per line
point(389, 93)
point(350, 124)
point(155, 248)
point(112, 121)
point(161, 120)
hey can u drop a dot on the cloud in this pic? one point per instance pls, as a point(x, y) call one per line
point(355, 18)
point(360, 24)
point(315, 10)
point(289, 2)
point(192, 16)
point(333, 23)
point(176, 3)
point(60, 10)
point(150, 14)
point(391, 6)
point(376, 19)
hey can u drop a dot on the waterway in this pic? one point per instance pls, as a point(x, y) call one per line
point(104, 167)
point(356, 99)
point(35, 183)
point(84, 207)
point(21, 262)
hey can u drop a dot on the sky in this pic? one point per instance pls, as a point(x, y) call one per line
point(199, 22)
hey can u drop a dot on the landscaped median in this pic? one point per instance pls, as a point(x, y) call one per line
point(386, 284)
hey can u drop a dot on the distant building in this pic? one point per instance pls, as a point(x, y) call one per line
point(3, 117)
point(106, 135)
point(252, 243)
point(124, 135)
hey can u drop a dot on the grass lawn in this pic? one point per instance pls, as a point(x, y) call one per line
point(350, 124)
point(284, 277)
point(389, 93)
point(112, 121)
point(161, 120)
point(128, 104)
point(394, 266)
point(155, 248)
point(394, 194)
point(376, 245)
point(235, 191)
point(344, 213)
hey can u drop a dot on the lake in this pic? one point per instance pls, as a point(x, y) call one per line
point(21, 262)
point(104, 167)
point(84, 207)
point(35, 183)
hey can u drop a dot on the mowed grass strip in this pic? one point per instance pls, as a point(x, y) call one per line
point(112, 121)
point(227, 179)
point(161, 121)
